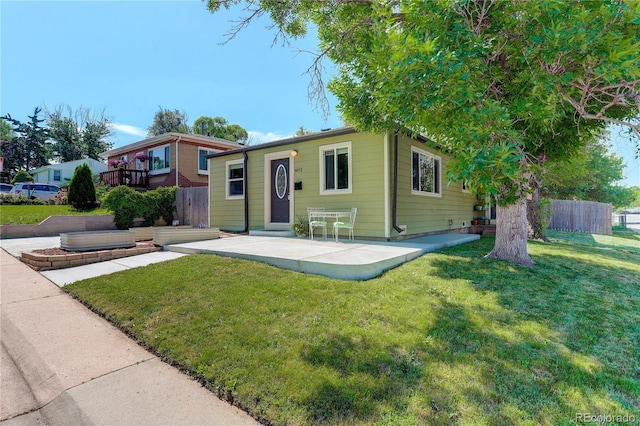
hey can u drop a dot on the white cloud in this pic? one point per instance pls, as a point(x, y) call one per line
point(129, 130)
point(256, 137)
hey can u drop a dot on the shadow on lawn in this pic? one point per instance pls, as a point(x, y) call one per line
point(364, 376)
point(569, 319)
point(516, 345)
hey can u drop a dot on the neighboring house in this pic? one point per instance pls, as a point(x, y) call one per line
point(173, 159)
point(61, 174)
point(270, 186)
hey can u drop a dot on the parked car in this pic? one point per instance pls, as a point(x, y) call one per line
point(5, 188)
point(41, 191)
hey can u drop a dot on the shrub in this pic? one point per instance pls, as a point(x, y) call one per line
point(82, 190)
point(10, 199)
point(159, 204)
point(22, 176)
point(60, 198)
point(125, 203)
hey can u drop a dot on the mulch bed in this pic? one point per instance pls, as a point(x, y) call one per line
point(58, 251)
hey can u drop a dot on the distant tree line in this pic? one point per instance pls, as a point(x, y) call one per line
point(166, 120)
point(59, 135)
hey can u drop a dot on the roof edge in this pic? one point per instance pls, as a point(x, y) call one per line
point(167, 137)
point(288, 141)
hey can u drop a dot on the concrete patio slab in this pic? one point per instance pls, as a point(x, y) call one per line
point(357, 260)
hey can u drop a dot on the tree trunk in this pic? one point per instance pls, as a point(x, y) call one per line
point(511, 234)
point(537, 217)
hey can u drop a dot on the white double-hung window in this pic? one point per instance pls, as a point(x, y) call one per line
point(234, 179)
point(425, 173)
point(335, 168)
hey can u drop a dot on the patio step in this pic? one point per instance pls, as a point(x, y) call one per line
point(272, 233)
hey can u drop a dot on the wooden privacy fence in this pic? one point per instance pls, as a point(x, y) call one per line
point(192, 206)
point(581, 216)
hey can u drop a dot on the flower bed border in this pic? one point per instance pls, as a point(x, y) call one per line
point(44, 262)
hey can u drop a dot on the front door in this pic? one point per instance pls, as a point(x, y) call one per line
point(280, 191)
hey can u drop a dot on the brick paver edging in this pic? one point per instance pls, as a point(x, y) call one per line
point(44, 262)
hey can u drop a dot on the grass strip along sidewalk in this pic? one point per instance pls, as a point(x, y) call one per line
point(32, 214)
point(449, 338)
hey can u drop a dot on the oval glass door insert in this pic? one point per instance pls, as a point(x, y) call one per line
point(281, 181)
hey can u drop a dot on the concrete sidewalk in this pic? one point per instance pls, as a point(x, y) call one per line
point(62, 364)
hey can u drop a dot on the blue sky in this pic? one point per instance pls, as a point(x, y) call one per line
point(132, 57)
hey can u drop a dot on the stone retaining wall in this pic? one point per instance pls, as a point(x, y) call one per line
point(54, 225)
point(44, 262)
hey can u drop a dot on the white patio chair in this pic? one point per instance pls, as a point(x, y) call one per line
point(346, 225)
point(316, 220)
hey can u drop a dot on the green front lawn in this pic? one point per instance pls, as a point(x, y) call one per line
point(449, 338)
point(32, 214)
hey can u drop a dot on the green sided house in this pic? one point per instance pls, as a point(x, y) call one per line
point(397, 183)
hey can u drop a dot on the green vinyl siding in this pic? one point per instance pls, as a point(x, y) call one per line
point(421, 213)
point(367, 184)
point(429, 213)
point(367, 191)
point(225, 214)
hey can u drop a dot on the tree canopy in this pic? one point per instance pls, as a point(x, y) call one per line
point(166, 121)
point(78, 134)
point(219, 127)
point(590, 175)
point(28, 149)
point(503, 85)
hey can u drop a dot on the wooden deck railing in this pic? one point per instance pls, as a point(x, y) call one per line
point(129, 177)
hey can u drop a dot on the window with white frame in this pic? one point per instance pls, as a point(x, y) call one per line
point(57, 175)
point(234, 179)
point(203, 166)
point(335, 168)
point(425, 173)
point(160, 159)
point(465, 187)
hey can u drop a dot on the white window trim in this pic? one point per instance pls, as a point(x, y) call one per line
point(210, 151)
point(436, 157)
point(336, 146)
point(163, 170)
point(227, 164)
point(465, 188)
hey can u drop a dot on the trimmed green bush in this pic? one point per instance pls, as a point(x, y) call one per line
point(82, 190)
point(22, 176)
point(159, 204)
point(127, 205)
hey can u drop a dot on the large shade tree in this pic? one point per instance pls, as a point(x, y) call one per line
point(590, 175)
point(78, 134)
point(166, 121)
point(219, 127)
point(503, 85)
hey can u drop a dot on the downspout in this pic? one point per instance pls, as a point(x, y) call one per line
point(394, 207)
point(246, 191)
point(177, 168)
